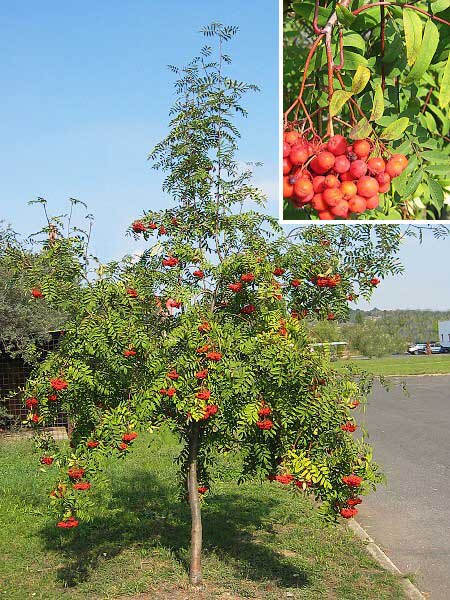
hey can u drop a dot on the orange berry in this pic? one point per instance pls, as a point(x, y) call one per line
point(394, 168)
point(401, 158)
point(331, 181)
point(367, 186)
point(303, 187)
point(357, 204)
point(348, 189)
point(341, 209)
point(287, 166)
point(318, 203)
point(325, 215)
point(361, 148)
point(288, 188)
point(332, 196)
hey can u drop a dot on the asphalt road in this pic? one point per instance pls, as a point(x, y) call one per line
point(409, 518)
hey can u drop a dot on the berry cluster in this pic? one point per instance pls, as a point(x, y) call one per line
point(336, 179)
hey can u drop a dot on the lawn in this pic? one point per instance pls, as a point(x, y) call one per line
point(403, 365)
point(260, 541)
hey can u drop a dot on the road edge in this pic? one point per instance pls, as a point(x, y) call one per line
point(384, 561)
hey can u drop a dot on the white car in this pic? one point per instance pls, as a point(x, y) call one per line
point(422, 348)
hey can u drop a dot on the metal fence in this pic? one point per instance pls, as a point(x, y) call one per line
point(14, 373)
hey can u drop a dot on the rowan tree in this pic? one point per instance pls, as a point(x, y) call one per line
point(377, 74)
point(204, 334)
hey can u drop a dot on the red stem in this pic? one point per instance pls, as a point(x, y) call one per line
point(316, 14)
point(340, 66)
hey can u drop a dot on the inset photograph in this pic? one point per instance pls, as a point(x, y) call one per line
point(366, 119)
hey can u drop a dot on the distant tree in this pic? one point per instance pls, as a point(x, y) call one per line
point(370, 339)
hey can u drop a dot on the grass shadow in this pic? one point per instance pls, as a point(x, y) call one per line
point(144, 512)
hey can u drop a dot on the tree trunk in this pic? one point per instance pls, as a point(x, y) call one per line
point(195, 570)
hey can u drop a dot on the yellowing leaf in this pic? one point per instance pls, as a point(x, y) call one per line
point(361, 130)
point(413, 34)
point(427, 49)
point(361, 79)
point(340, 97)
point(444, 93)
point(378, 104)
point(395, 129)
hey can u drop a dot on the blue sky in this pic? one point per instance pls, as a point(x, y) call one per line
point(86, 94)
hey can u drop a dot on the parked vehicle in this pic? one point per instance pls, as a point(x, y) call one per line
point(420, 348)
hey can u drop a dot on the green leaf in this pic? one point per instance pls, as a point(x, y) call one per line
point(444, 93)
point(353, 60)
point(340, 97)
point(361, 130)
point(439, 6)
point(395, 129)
point(344, 16)
point(413, 34)
point(427, 49)
point(378, 104)
point(441, 171)
point(437, 193)
point(413, 183)
point(436, 156)
point(360, 79)
point(354, 40)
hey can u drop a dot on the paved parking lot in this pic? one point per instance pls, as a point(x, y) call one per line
point(410, 516)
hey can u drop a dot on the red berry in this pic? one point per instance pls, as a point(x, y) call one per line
point(341, 209)
point(341, 164)
point(372, 202)
point(337, 145)
point(376, 165)
point(318, 202)
point(331, 181)
point(367, 186)
point(318, 183)
point(323, 162)
point(358, 169)
point(325, 215)
point(287, 166)
point(299, 155)
point(361, 148)
point(347, 176)
point(286, 149)
point(384, 180)
point(332, 196)
point(357, 204)
point(291, 137)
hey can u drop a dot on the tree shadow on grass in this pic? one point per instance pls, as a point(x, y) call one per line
point(144, 512)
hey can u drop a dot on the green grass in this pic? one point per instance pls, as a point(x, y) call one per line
point(436, 364)
point(260, 540)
